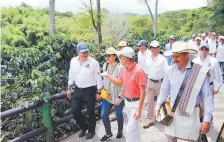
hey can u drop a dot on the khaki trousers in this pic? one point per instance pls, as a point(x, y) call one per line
point(152, 92)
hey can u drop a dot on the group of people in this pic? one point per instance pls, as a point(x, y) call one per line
point(187, 70)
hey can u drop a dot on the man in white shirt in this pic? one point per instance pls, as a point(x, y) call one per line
point(192, 42)
point(168, 46)
point(143, 52)
point(121, 45)
point(215, 71)
point(212, 44)
point(186, 124)
point(196, 47)
point(220, 54)
point(84, 73)
point(155, 67)
point(203, 39)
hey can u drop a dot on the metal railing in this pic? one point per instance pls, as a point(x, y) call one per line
point(46, 117)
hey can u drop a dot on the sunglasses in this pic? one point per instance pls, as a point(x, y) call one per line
point(151, 47)
point(206, 49)
point(108, 55)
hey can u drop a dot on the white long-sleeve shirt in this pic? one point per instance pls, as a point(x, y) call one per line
point(156, 68)
point(220, 53)
point(142, 57)
point(212, 46)
point(85, 75)
point(171, 84)
point(215, 71)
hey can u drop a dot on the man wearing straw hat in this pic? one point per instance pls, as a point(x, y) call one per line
point(187, 85)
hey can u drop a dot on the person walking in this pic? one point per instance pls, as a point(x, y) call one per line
point(84, 73)
point(113, 68)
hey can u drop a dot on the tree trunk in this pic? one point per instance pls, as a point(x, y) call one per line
point(99, 22)
point(52, 17)
point(151, 15)
point(156, 17)
point(91, 12)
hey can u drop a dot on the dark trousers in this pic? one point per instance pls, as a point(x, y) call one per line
point(106, 107)
point(222, 68)
point(85, 96)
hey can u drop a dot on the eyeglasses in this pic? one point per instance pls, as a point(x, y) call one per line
point(151, 47)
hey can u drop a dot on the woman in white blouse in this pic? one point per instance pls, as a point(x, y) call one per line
point(112, 67)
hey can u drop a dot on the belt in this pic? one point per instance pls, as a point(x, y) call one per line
point(131, 99)
point(82, 89)
point(156, 81)
point(211, 83)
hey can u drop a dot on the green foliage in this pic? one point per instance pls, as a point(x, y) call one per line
point(34, 64)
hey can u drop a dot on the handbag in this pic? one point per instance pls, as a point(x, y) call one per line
point(166, 114)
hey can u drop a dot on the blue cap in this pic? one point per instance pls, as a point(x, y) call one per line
point(194, 36)
point(82, 47)
point(172, 37)
point(185, 39)
point(142, 42)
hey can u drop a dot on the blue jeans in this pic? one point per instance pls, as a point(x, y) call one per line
point(106, 107)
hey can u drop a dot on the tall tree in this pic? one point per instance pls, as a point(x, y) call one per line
point(154, 19)
point(97, 26)
point(98, 22)
point(52, 17)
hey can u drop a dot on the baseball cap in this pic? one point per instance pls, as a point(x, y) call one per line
point(154, 43)
point(122, 43)
point(204, 45)
point(193, 36)
point(197, 38)
point(142, 42)
point(127, 52)
point(82, 47)
point(185, 38)
point(172, 37)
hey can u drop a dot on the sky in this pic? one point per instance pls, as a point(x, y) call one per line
point(113, 6)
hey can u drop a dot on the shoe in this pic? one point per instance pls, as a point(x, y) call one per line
point(147, 125)
point(106, 138)
point(90, 135)
point(119, 136)
point(82, 133)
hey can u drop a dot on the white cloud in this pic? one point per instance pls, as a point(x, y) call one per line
point(115, 6)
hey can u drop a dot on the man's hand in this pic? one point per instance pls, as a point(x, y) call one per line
point(117, 101)
point(98, 97)
point(156, 112)
point(215, 92)
point(137, 114)
point(205, 126)
point(69, 94)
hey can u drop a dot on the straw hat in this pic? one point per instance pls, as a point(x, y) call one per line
point(111, 50)
point(179, 47)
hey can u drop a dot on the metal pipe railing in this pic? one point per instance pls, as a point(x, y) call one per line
point(31, 134)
